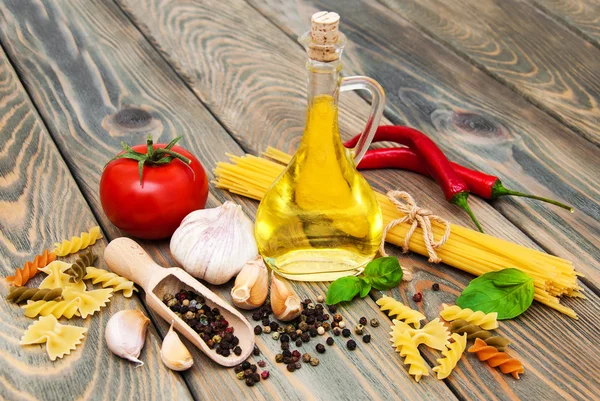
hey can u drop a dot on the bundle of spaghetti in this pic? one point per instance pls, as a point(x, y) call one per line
point(465, 249)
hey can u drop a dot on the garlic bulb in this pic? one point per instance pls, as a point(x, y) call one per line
point(173, 352)
point(284, 302)
point(251, 285)
point(214, 244)
point(125, 334)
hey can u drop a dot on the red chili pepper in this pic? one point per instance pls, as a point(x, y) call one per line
point(455, 188)
point(483, 185)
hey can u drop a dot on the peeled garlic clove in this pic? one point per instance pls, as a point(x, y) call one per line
point(214, 244)
point(173, 352)
point(125, 334)
point(251, 285)
point(284, 302)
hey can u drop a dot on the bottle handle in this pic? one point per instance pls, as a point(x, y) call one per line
point(377, 105)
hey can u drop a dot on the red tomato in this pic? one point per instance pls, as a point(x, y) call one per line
point(169, 193)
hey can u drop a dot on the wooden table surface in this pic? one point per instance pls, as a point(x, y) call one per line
point(511, 87)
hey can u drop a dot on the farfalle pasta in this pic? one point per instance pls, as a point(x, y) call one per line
point(78, 243)
point(473, 331)
point(452, 355)
point(88, 302)
point(60, 339)
point(30, 269)
point(57, 309)
point(407, 348)
point(109, 279)
point(434, 334)
point(22, 294)
point(485, 321)
point(57, 278)
point(495, 358)
point(402, 312)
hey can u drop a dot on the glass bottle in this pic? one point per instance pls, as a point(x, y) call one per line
point(320, 220)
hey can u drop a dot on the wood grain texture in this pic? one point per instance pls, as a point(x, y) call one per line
point(85, 61)
point(477, 121)
point(509, 39)
point(581, 16)
point(40, 204)
point(191, 35)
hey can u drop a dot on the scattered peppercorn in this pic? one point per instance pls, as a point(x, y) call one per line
point(284, 338)
point(363, 321)
point(321, 331)
point(255, 351)
point(346, 333)
point(266, 329)
point(285, 346)
point(417, 297)
point(435, 287)
point(245, 365)
point(329, 341)
point(351, 344)
point(305, 337)
point(287, 353)
point(299, 342)
point(250, 382)
point(320, 298)
point(314, 361)
point(342, 324)
point(337, 317)
point(374, 322)
point(313, 332)
point(261, 363)
point(332, 308)
point(297, 365)
point(240, 375)
point(326, 326)
point(359, 328)
point(279, 358)
point(291, 367)
point(257, 330)
point(264, 374)
point(337, 331)
point(306, 357)
point(320, 348)
point(275, 336)
point(366, 338)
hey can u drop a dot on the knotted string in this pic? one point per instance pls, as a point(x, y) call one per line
point(416, 217)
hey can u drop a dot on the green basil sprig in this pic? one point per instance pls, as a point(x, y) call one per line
point(381, 274)
point(508, 292)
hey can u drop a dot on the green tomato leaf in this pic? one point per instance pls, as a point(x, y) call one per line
point(508, 292)
point(344, 289)
point(384, 273)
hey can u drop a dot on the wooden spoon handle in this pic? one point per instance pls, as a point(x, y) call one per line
point(128, 259)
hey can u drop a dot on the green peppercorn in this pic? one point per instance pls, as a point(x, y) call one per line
point(314, 361)
point(240, 375)
point(279, 358)
point(306, 357)
point(217, 339)
point(172, 302)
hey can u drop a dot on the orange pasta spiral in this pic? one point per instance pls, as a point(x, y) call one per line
point(496, 358)
point(30, 269)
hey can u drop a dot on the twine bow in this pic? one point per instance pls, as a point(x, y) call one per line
point(415, 216)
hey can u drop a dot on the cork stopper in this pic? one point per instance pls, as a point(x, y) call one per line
point(324, 35)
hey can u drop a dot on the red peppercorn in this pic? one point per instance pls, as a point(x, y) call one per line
point(264, 374)
point(417, 297)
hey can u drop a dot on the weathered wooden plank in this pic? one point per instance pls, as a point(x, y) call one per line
point(85, 61)
point(476, 121)
point(275, 72)
point(40, 204)
point(581, 16)
point(509, 39)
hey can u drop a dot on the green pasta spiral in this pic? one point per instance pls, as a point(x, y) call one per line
point(473, 331)
point(78, 269)
point(22, 294)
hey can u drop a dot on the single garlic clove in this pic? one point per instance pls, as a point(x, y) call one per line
point(251, 285)
point(173, 352)
point(125, 334)
point(284, 302)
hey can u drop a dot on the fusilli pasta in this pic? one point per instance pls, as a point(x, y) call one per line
point(89, 302)
point(434, 334)
point(496, 358)
point(485, 321)
point(30, 269)
point(60, 339)
point(57, 309)
point(461, 326)
point(22, 294)
point(78, 269)
point(451, 355)
point(109, 279)
point(401, 311)
point(78, 243)
point(407, 348)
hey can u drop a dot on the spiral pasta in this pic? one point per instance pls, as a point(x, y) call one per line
point(60, 339)
point(57, 309)
point(473, 331)
point(22, 294)
point(485, 321)
point(57, 278)
point(405, 345)
point(30, 269)
point(78, 270)
point(109, 279)
point(495, 358)
point(452, 355)
point(401, 311)
point(78, 243)
point(434, 334)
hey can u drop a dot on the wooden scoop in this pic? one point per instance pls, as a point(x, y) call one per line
point(126, 258)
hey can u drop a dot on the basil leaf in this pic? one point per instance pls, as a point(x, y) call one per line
point(384, 273)
point(508, 292)
point(365, 287)
point(343, 289)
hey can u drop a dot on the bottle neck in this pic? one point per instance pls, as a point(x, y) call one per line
point(323, 80)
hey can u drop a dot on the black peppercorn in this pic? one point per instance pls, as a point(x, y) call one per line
point(238, 369)
point(305, 337)
point(351, 344)
point(320, 348)
point(299, 342)
point(332, 308)
point(297, 365)
point(366, 338)
point(291, 367)
point(346, 332)
point(329, 341)
point(245, 365)
point(313, 332)
point(237, 350)
point(337, 331)
point(248, 373)
point(274, 326)
point(435, 287)
point(257, 329)
point(285, 346)
point(225, 352)
point(256, 316)
point(284, 338)
point(294, 336)
point(363, 321)
point(287, 353)
point(417, 297)
point(250, 382)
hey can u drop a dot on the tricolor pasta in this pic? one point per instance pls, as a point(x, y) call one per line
point(451, 355)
